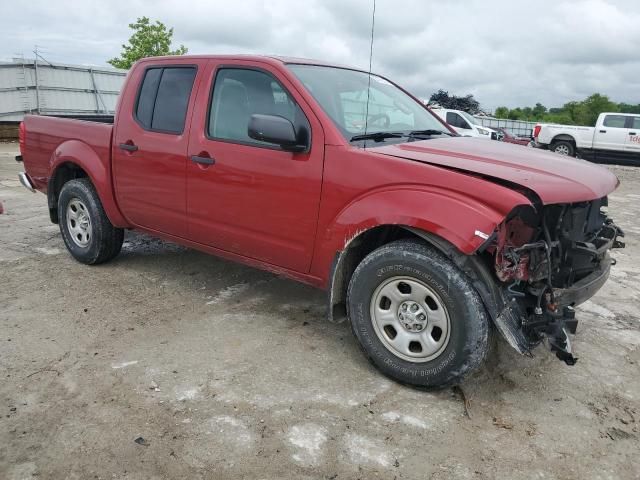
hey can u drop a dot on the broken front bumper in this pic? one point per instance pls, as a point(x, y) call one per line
point(586, 288)
point(554, 322)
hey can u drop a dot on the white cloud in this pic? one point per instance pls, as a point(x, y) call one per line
point(504, 52)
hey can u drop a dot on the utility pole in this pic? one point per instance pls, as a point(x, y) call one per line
point(35, 64)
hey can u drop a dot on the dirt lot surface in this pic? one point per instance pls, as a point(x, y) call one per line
point(168, 363)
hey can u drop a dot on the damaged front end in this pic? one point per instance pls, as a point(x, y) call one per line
point(547, 261)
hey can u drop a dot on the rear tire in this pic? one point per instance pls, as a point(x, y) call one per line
point(445, 337)
point(563, 148)
point(86, 230)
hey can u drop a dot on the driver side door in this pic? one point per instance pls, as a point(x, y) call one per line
point(245, 196)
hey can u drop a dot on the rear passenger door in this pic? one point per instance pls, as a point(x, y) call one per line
point(245, 196)
point(150, 146)
point(633, 137)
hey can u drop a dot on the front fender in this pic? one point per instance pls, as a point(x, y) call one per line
point(97, 166)
point(463, 221)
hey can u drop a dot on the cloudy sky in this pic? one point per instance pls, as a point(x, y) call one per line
point(505, 52)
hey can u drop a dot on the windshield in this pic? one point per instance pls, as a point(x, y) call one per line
point(342, 94)
point(470, 119)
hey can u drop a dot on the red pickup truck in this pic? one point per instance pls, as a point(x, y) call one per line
point(424, 239)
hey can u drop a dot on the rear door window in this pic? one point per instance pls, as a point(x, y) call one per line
point(635, 124)
point(147, 96)
point(164, 98)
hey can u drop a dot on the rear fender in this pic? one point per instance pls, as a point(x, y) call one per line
point(97, 169)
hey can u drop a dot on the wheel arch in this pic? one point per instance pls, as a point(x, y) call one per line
point(455, 223)
point(563, 137)
point(475, 266)
point(75, 159)
point(62, 174)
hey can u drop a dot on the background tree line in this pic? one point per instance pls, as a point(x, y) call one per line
point(584, 112)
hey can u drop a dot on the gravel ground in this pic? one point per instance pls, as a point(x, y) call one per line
point(168, 363)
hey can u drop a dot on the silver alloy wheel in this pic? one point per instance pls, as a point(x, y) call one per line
point(410, 319)
point(562, 150)
point(79, 222)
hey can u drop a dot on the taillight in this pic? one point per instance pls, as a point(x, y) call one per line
point(21, 137)
point(536, 130)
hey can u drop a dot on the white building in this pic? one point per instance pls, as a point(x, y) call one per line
point(41, 87)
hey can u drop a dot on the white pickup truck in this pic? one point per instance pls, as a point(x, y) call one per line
point(465, 124)
point(614, 139)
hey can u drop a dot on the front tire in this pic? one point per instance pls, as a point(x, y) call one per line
point(417, 316)
point(86, 230)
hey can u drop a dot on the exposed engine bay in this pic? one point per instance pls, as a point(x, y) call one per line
point(547, 262)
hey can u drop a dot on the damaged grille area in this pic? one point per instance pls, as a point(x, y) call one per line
point(549, 260)
point(582, 235)
point(564, 245)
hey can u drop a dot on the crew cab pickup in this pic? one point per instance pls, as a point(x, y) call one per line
point(614, 139)
point(425, 240)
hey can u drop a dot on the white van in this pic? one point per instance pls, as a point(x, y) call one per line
point(465, 124)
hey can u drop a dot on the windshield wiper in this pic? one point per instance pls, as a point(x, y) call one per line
point(418, 133)
point(377, 136)
point(381, 136)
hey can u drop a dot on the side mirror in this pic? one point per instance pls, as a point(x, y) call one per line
point(276, 130)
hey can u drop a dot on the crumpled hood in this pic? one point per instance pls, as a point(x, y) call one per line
point(554, 178)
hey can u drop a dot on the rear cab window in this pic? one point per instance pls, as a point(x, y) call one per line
point(163, 98)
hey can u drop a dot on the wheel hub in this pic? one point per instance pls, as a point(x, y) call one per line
point(412, 316)
point(410, 319)
point(79, 223)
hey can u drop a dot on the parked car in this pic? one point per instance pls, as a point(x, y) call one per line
point(505, 136)
point(614, 139)
point(465, 124)
point(424, 239)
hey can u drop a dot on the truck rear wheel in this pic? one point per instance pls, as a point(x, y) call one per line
point(417, 316)
point(563, 147)
point(87, 232)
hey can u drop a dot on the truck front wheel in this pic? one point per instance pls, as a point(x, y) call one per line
point(87, 232)
point(563, 147)
point(417, 316)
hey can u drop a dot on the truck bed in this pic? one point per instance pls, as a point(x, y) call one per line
point(46, 134)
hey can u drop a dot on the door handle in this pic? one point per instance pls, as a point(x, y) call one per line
point(632, 133)
point(603, 131)
point(202, 160)
point(129, 147)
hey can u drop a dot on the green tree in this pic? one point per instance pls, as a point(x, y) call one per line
point(516, 114)
point(627, 108)
point(444, 100)
point(595, 105)
point(538, 111)
point(501, 112)
point(148, 40)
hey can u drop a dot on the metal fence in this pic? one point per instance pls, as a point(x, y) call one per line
point(519, 128)
point(41, 87)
